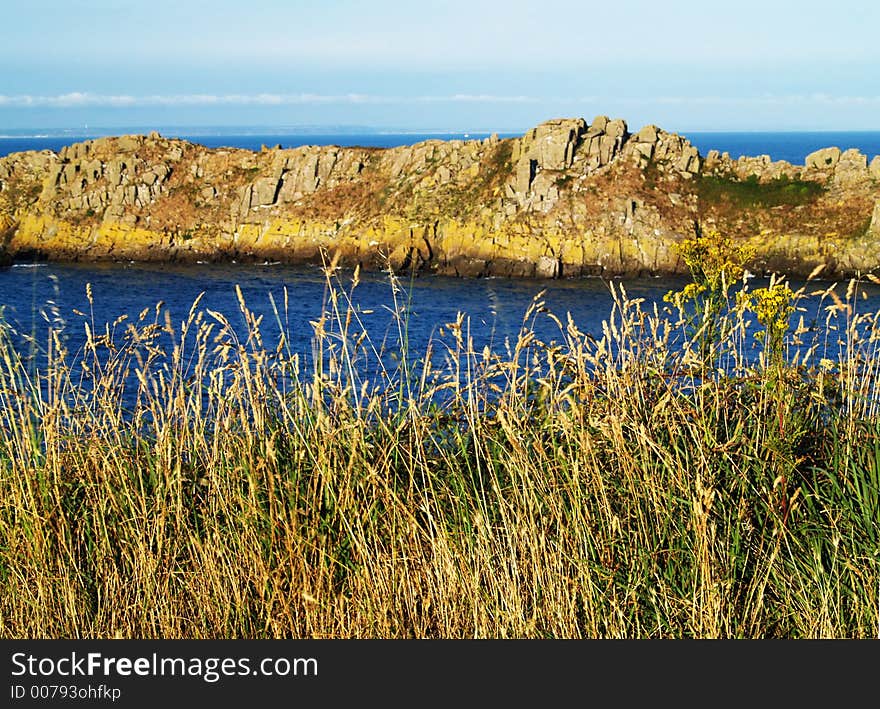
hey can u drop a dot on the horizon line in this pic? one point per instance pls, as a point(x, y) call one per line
point(331, 129)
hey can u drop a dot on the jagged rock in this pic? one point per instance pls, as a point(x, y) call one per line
point(599, 147)
point(550, 146)
point(326, 163)
point(92, 170)
point(305, 180)
point(607, 146)
point(763, 168)
point(113, 212)
point(647, 134)
point(264, 191)
point(716, 162)
point(616, 128)
point(552, 143)
point(115, 170)
point(545, 190)
point(677, 152)
point(547, 267)
point(51, 182)
point(645, 151)
point(874, 226)
point(641, 145)
point(525, 173)
point(823, 159)
point(129, 143)
point(564, 199)
point(852, 168)
point(599, 123)
point(853, 159)
point(400, 163)
point(95, 201)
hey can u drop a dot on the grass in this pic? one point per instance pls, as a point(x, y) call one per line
point(609, 486)
point(749, 193)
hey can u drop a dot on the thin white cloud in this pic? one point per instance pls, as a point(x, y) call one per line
point(79, 99)
point(767, 100)
point(478, 98)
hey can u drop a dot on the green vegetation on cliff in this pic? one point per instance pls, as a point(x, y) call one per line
point(752, 192)
point(567, 198)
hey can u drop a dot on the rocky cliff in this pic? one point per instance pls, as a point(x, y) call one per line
point(566, 199)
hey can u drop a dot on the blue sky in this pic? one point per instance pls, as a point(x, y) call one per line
point(455, 65)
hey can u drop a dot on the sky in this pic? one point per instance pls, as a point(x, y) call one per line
point(447, 66)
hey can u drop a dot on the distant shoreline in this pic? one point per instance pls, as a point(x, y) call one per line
point(791, 146)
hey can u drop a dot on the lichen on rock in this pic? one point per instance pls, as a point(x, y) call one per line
point(567, 198)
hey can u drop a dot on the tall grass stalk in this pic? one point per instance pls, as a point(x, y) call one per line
point(188, 480)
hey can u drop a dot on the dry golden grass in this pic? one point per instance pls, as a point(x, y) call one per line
point(611, 487)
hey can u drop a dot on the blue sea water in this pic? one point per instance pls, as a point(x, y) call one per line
point(35, 295)
point(790, 146)
point(250, 140)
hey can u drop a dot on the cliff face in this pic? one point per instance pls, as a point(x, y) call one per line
point(566, 199)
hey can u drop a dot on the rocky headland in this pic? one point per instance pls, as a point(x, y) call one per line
point(567, 199)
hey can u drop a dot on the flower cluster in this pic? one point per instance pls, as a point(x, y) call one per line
point(689, 292)
point(773, 307)
point(714, 260)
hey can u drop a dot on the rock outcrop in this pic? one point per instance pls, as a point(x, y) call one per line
point(568, 198)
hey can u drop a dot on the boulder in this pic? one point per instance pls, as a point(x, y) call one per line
point(553, 143)
point(124, 143)
point(823, 159)
point(852, 168)
point(545, 189)
point(874, 226)
point(326, 163)
point(616, 128)
point(646, 134)
point(547, 267)
point(549, 146)
point(115, 170)
point(599, 123)
point(265, 191)
point(853, 159)
point(607, 148)
point(525, 173)
point(689, 162)
point(93, 170)
point(643, 150)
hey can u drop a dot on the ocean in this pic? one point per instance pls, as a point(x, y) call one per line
point(790, 146)
point(11, 142)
